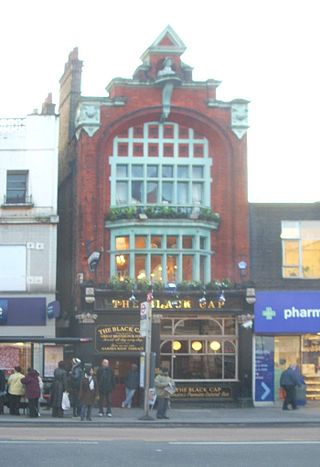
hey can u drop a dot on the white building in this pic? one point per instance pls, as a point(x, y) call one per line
point(28, 234)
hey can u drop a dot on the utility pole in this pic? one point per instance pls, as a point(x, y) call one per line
point(145, 331)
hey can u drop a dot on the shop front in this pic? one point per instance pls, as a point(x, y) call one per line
point(287, 330)
point(200, 340)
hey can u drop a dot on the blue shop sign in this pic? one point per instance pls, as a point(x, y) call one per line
point(279, 312)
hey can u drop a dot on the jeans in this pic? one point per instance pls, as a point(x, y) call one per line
point(85, 411)
point(129, 395)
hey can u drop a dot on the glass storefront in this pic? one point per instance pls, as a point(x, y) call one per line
point(302, 350)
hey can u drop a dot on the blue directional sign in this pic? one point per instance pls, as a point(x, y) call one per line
point(264, 369)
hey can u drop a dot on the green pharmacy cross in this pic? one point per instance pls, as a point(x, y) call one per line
point(268, 313)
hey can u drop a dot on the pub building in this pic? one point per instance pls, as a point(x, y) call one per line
point(153, 193)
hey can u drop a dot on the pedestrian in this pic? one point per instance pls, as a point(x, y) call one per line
point(15, 390)
point(59, 386)
point(31, 382)
point(87, 394)
point(106, 384)
point(131, 382)
point(75, 380)
point(3, 391)
point(165, 386)
point(289, 379)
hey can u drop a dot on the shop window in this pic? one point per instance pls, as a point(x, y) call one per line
point(198, 350)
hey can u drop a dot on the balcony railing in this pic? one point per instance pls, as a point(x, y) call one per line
point(153, 211)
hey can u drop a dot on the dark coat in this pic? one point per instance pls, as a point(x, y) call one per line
point(75, 377)
point(87, 396)
point(105, 379)
point(132, 380)
point(31, 381)
point(289, 378)
point(58, 387)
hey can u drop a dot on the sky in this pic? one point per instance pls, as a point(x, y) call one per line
point(264, 51)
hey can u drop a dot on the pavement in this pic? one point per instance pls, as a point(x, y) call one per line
point(180, 416)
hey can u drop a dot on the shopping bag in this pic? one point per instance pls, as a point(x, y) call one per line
point(65, 404)
point(282, 394)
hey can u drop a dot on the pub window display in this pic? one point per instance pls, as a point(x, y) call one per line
point(200, 349)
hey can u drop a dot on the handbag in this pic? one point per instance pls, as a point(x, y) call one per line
point(65, 403)
point(282, 394)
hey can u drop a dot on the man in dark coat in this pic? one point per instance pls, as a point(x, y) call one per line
point(131, 382)
point(288, 381)
point(106, 384)
point(58, 387)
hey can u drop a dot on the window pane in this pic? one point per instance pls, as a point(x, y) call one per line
point(229, 367)
point(122, 170)
point(171, 268)
point(152, 171)
point(182, 193)
point(197, 193)
point(137, 192)
point(290, 229)
point(229, 327)
point(203, 243)
point(187, 268)
point(140, 241)
point(122, 192)
point(152, 192)
point(156, 268)
point(16, 187)
point(122, 266)
point(203, 260)
point(172, 241)
point(311, 258)
point(186, 242)
point(310, 229)
point(156, 241)
point(290, 253)
point(140, 267)
point(187, 327)
point(167, 192)
point(167, 171)
point(137, 171)
point(166, 327)
point(122, 243)
point(197, 171)
point(183, 171)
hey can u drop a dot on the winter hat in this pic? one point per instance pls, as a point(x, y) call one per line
point(76, 361)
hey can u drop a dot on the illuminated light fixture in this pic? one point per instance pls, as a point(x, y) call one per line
point(120, 260)
point(176, 345)
point(215, 345)
point(141, 275)
point(203, 299)
point(196, 345)
point(133, 297)
point(222, 298)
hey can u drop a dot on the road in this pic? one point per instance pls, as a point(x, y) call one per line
point(87, 446)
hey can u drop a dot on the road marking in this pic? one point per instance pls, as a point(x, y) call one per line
point(239, 443)
point(41, 441)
